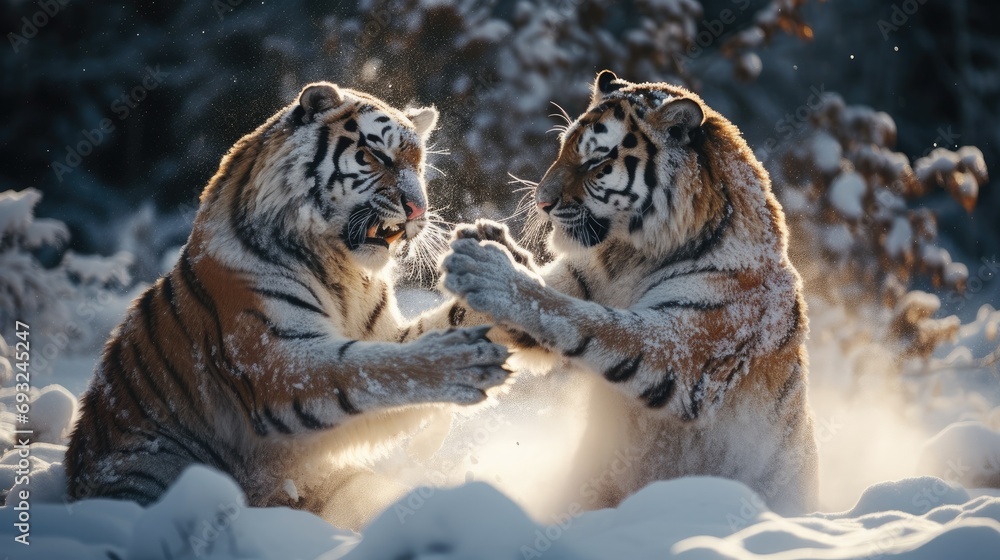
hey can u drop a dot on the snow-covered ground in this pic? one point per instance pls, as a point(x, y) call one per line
point(498, 467)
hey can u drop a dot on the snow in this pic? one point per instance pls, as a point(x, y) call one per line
point(846, 194)
point(826, 152)
point(204, 515)
point(900, 237)
point(495, 497)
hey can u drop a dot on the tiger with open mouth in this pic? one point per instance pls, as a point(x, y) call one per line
point(276, 336)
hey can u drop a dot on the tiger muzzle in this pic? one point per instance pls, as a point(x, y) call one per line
point(551, 189)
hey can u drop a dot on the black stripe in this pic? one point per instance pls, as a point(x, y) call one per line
point(706, 241)
point(316, 192)
point(143, 475)
point(92, 427)
point(154, 340)
point(219, 461)
point(176, 422)
point(659, 394)
point(696, 305)
point(345, 402)
point(168, 295)
point(377, 312)
point(580, 348)
point(322, 145)
point(624, 370)
point(276, 422)
point(227, 382)
point(794, 327)
point(649, 175)
point(278, 332)
point(299, 252)
point(193, 285)
point(456, 315)
point(695, 397)
point(679, 274)
point(792, 382)
point(308, 420)
point(290, 299)
point(523, 340)
point(343, 349)
point(584, 288)
point(405, 333)
point(244, 227)
point(126, 382)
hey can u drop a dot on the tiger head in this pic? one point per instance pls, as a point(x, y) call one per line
point(634, 170)
point(336, 169)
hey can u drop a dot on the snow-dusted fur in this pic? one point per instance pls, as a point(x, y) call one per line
point(672, 283)
point(274, 349)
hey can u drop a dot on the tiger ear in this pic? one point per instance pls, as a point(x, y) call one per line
point(424, 120)
point(316, 98)
point(680, 117)
point(605, 83)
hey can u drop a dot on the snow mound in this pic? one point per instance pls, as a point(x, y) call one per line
point(52, 412)
point(471, 521)
point(966, 452)
point(204, 515)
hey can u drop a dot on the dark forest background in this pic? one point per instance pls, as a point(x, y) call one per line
point(179, 82)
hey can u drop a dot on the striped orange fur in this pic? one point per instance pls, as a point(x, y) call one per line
point(671, 292)
point(274, 349)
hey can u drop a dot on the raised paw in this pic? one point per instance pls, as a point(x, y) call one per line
point(465, 363)
point(488, 230)
point(484, 274)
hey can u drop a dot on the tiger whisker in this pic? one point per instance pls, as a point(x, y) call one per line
point(435, 168)
point(562, 113)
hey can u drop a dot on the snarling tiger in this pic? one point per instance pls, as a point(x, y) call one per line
point(670, 284)
point(279, 322)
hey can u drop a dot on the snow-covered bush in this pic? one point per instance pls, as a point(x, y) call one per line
point(60, 303)
point(861, 233)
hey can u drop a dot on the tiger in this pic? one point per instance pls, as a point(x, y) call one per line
point(276, 336)
point(671, 291)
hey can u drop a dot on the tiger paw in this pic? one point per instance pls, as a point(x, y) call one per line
point(488, 230)
point(485, 275)
point(465, 364)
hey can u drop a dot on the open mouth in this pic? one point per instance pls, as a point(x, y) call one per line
point(383, 235)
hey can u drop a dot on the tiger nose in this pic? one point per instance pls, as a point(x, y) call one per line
point(413, 210)
point(545, 206)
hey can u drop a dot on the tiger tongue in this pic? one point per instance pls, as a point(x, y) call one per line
point(372, 231)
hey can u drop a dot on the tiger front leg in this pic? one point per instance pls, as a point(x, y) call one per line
point(319, 386)
point(646, 352)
